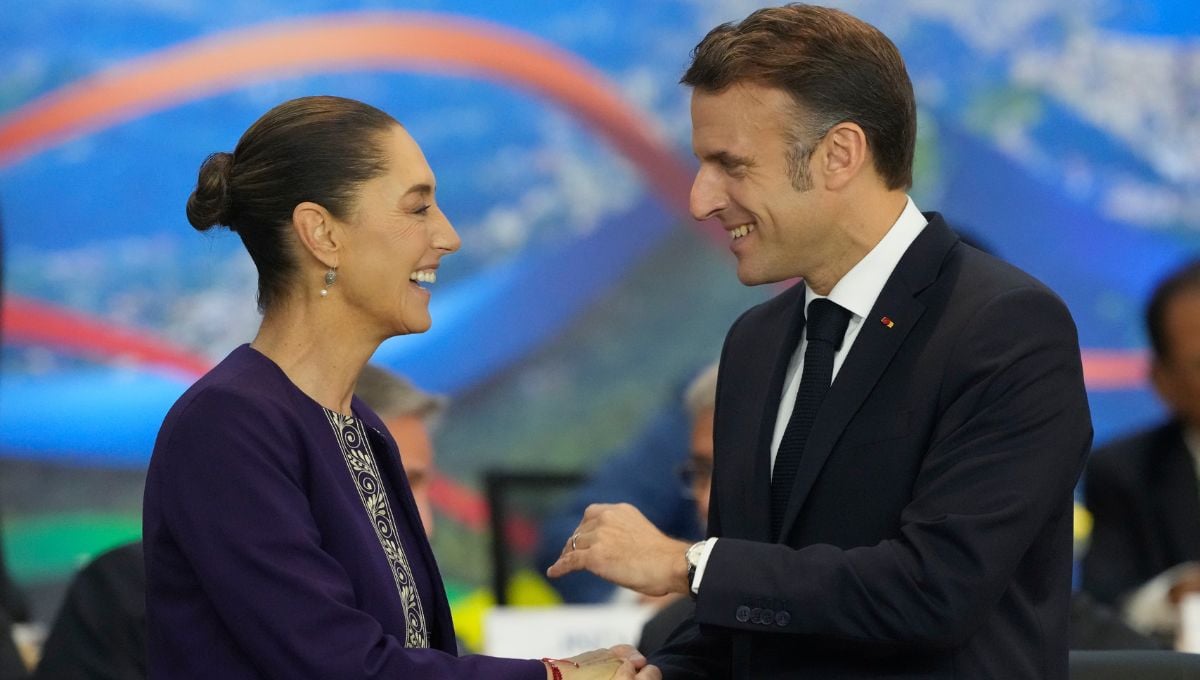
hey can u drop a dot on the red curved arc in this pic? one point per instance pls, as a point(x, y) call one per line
point(31, 322)
point(347, 42)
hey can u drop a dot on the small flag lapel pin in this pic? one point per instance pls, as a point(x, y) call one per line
point(887, 321)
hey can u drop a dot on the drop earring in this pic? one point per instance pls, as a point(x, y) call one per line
point(330, 278)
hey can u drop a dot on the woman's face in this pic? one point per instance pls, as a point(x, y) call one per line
point(395, 238)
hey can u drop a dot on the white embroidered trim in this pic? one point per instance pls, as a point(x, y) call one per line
point(357, 452)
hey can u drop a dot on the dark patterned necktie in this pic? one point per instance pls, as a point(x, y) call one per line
point(825, 327)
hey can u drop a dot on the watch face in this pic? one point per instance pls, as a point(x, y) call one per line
point(693, 553)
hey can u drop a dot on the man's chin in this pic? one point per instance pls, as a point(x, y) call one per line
point(750, 277)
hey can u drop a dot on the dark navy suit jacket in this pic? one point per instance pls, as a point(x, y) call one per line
point(928, 533)
point(261, 560)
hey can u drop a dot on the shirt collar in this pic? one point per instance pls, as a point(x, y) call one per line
point(860, 287)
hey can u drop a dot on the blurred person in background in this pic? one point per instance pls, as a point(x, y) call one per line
point(100, 630)
point(281, 536)
point(636, 476)
point(410, 415)
point(1142, 491)
point(699, 399)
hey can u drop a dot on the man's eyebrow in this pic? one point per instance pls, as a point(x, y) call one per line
point(729, 160)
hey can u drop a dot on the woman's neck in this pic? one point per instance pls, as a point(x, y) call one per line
point(319, 352)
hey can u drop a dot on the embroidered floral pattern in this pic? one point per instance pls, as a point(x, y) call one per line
point(357, 451)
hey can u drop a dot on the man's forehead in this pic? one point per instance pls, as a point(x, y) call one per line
point(741, 109)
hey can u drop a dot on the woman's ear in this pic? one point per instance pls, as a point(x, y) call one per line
point(318, 232)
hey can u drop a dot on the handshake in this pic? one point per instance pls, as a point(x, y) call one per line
point(621, 662)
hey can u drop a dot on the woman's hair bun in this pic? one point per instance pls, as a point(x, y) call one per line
point(211, 204)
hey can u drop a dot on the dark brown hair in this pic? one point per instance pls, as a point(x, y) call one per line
point(835, 67)
point(318, 149)
point(1185, 279)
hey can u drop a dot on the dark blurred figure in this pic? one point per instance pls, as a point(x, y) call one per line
point(1096, 626)
point(13, 607)
point(1142, 490)
point(100, 631)
point(11, 665)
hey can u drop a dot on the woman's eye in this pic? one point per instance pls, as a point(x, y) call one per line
point(423, 209)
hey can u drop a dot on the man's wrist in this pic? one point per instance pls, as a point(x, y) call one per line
point(691, 558)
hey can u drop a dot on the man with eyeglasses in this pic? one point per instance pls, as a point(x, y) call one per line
point(696, 474)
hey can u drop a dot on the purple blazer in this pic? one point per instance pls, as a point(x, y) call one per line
point(277, 547)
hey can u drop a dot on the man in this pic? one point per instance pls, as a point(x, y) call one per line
point(410, 414)
point(100, 631)
point(1142, 490)
point(913, 518)
point(699, 399)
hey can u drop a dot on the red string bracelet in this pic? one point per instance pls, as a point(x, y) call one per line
point(555, 673)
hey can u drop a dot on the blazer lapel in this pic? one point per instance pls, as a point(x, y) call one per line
point(752, 486)
point(873, 350)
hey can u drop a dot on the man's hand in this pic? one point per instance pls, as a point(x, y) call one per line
point(618, 544)
point(633, 666)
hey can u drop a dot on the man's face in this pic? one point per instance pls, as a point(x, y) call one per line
point(701, 462)
point(1176, 376)
point(741, 137)
point(416, 453)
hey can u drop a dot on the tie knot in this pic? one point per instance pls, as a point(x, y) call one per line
point(827, 321)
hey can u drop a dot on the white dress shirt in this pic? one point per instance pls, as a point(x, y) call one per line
point(857, 292)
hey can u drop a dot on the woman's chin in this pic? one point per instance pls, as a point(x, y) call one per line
point(415, 325)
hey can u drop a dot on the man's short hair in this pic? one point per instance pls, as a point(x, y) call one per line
point(1185, 279)
point(701, 392)
point(391, 395)
point(837, 68)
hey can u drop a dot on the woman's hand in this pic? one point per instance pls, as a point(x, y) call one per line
point(621, 662)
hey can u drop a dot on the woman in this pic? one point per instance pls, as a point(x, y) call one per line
point(281, 537)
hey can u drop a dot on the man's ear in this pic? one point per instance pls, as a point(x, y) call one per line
point(844, 154)
point(318, 232)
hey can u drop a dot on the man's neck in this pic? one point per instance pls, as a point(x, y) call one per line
point(863, 226)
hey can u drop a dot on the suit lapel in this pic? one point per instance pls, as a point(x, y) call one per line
point(764, 375)
point(873, 350)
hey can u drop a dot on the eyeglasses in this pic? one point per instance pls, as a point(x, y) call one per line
point(695, 473)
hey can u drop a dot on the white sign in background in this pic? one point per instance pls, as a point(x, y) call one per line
point(561, 631)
